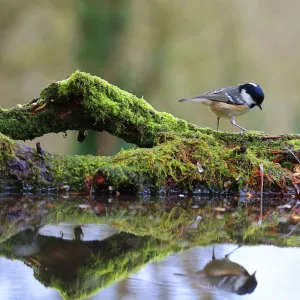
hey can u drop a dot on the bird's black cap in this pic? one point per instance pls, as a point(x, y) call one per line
point(255, 91)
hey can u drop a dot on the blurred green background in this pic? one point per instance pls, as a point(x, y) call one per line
point(160, 49)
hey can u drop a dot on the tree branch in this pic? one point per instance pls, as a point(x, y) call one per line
point(83, 102)
point(182, 156)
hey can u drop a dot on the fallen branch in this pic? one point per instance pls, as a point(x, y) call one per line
point(170, 154)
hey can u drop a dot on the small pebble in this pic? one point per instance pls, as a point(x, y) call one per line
point(287, 206)
point(199, 167)
point(220, 209)
point(83, 206)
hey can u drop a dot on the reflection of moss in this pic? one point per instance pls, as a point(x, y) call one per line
point(153, 221)
point(148, 232)
point(102, 271)
point(79, 269)
point(168, 224)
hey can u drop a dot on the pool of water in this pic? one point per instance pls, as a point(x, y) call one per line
point(58, 248)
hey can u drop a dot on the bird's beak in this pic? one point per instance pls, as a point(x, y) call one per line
point(260, 106)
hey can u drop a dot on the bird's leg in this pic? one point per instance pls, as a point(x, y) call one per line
point(218, 121)
point(227, 255)
point(232, 121)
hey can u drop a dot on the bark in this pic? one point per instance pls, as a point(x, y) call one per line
point(173, 155)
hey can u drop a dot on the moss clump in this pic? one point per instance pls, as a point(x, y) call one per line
point(7, 154)
point(171, 165)
point(174, 163)
point(295, 144)
point(6, 148)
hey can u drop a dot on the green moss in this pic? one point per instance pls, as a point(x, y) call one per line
point(173, 158)
point(6, 148)
point(295, 144)
point(117, 109)
point(7, 154)
point(83, 102)
point(73, 170)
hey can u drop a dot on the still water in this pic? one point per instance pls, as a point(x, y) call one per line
point(53, 248)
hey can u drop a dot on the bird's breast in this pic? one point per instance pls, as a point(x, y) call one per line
point(224, 110)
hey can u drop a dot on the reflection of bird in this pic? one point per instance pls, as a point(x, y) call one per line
point(228, 275)
point(232, 101)
point(78, 233)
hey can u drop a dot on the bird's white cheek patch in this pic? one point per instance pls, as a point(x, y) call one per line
point(247, 98)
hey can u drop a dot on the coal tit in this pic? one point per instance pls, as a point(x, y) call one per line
point(232, 101)
point(228, 276)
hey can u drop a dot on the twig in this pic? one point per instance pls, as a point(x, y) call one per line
point(39, 149)
point(290, 151)
point(278, 137)
point(38, 108)
point(271, 137)
point(292, 230)
point(261, 167)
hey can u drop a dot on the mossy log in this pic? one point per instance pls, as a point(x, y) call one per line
point(171, 154)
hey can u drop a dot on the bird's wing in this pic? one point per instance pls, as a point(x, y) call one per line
point(230, 95)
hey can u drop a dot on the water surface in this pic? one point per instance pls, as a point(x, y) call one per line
point(121, 248)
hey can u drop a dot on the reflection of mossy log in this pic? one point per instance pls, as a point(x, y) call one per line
point(148, 232)
point(166, 222)
point(78, 269)
point(171, 147)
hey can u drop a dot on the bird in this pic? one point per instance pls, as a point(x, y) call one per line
point(228, 275)
point(231, 102)
point(225, 275)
